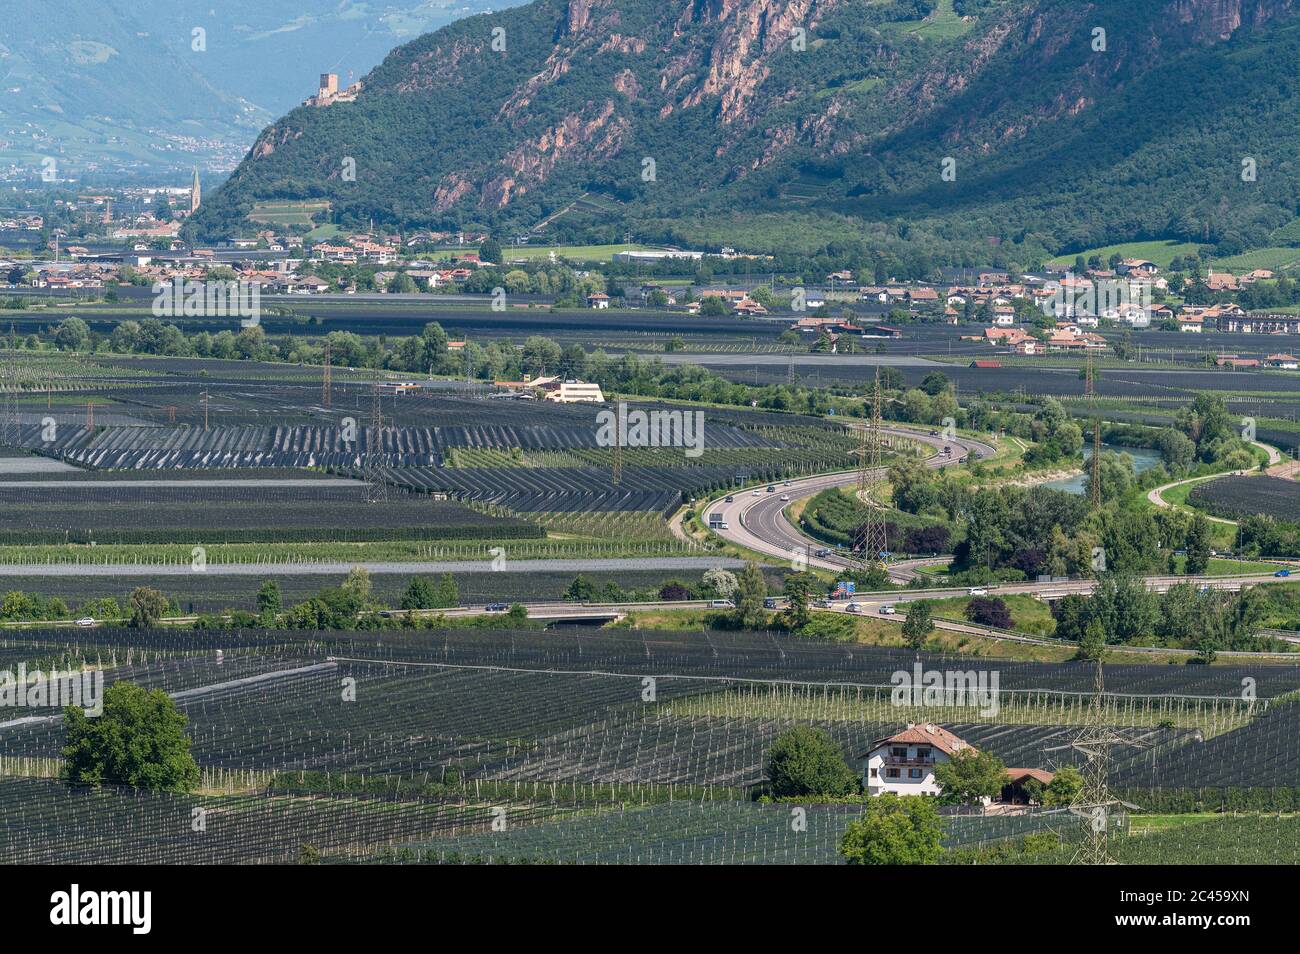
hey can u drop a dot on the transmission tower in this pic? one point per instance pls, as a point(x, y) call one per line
point(10, 425)
point(1089, 376)
point(616, 475)
point(871, 541)
point(376, 487)
point(1095, 464)
point(1094, 802)
point(327, 379)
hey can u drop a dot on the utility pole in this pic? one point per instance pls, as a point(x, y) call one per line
point(376, 488)
point(1094, 802)
point(872, 539)
point(205, 411)
point(327, 379)
point(616, 476)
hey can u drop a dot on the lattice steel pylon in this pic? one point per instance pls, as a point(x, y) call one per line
point(327, 379)
point(10, 424)
point(1101, 812)
point(1096, 465)
point(616, 471)
point(871, 542)
point(376, 486)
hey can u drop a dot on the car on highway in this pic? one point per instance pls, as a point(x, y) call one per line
point(86, 621)
point(823, 552)
point(785, 498)
point(730, 499)
point(853, 608)
point(771, 602)
point(721, 604)
point(771, 488)
point(888, 610)
point(977, 591)
point(1282, 573)
point(786, 484)
point(822, 604)
point(757, 493)
point(497, 607)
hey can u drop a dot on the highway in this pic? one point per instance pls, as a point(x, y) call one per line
point(756, 520)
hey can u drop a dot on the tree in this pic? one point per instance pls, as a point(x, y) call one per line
point(357, 585)
point(1092, 645)
point(581, 590)
point(917, 626)
point(139, 739)
point(72, 335)
point(970, 776)
point(798, 589)
point(723, 582)
point(490, 251)
point(419, 594)
point(1063, 788)
point(1198, 546)
point(807, 761)
point(989, 611)
point(894, 830)
point(751, 591)
point(268, 602)
point(147, 606)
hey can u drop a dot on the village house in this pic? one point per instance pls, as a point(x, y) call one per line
point(904, 764)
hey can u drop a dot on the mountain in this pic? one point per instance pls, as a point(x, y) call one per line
point(119, 87)
point(1066, 124)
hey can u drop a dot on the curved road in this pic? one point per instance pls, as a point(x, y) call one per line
point(759, 522)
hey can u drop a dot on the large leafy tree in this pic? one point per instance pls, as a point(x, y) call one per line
point(894, 830)
point(139, 739)
point(147, 606)
point(807, 761)
point(970, 776)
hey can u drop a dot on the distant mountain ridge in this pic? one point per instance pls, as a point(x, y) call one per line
point(1061, 123)
point(120, 86)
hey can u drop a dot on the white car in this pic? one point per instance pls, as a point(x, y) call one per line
point(977, 591)
point(757, 493)
point(785, 498)
point(853, 608)
point(888, 610)
point(86, 621)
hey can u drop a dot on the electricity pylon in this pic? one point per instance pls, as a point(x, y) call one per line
point(376, 487)
point(1094, 802)
point(616, 474)
point(327, 379)
point(871, 542)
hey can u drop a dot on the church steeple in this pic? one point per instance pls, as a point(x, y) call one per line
point(195, 192)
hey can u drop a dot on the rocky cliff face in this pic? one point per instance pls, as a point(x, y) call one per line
point(583, 89)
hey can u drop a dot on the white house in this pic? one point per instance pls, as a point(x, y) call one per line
point(904, 763)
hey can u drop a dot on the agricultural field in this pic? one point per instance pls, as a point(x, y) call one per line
point(1235, 497)
point(553, 728)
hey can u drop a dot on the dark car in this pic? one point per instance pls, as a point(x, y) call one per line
point(498, 607)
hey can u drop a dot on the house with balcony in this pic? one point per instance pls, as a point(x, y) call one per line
point(904, 763)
